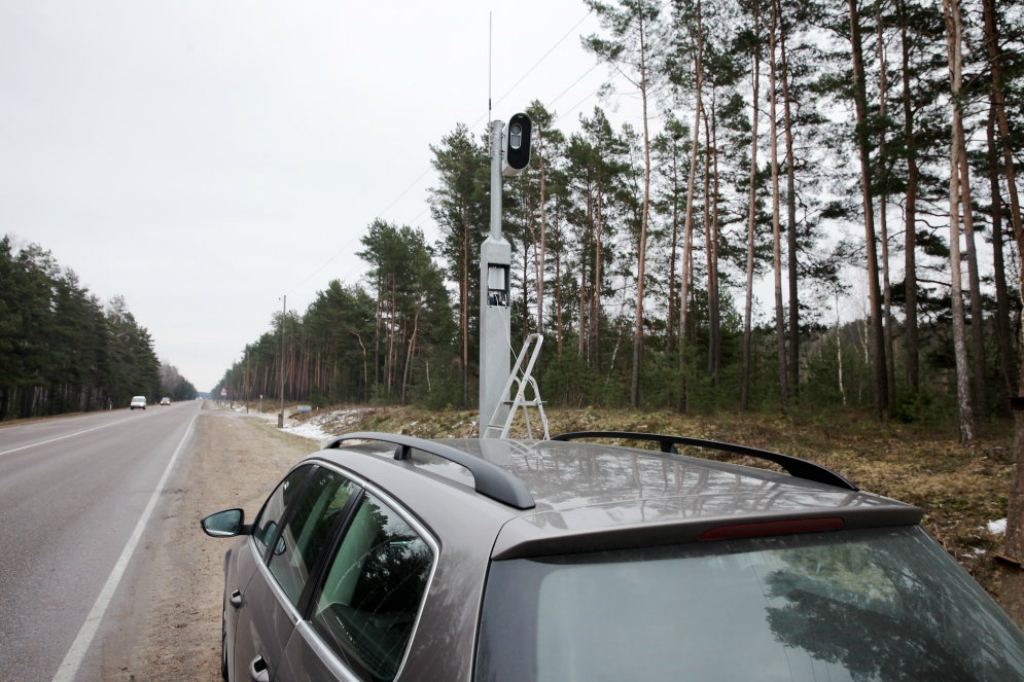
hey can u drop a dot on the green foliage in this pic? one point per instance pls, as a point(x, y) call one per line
point(359, 346)
point(59, 351)
point(569, 380)
point(175, 386)
point(909, 408)
point(440, 387)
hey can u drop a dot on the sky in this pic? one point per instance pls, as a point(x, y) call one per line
point(209, 160)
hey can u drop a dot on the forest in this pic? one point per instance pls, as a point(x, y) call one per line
point(62, 351)
point(792, 159)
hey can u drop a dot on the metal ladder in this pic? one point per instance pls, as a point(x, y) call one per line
point(520, 378)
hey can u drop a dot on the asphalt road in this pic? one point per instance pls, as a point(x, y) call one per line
point(76, 495)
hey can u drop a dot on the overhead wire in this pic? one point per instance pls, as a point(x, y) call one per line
point(345, 248)
point(422, 175)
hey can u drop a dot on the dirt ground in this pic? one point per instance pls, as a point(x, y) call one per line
point(234, 460)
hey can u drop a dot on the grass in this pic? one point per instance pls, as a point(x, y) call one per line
point(961, 488)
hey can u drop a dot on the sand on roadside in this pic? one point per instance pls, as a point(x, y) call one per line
point(172, 626)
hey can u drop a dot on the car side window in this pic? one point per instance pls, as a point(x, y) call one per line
point(371, 597)
point(306, 533)
point(266, 524)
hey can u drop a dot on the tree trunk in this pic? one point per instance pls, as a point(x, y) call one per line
point(791, 231)
point(751, 221)
point(464, 302)
point(559, 334)
point(366, 373)
point(596, 288)
point(863, 149)
point(883, 208)
point(684, 284)
point(525, 327)
point(389, 362)
point(714, 304)
point(951, 10)
point(1012, 587)
point(999, 100)
point(773, 145)
point(974, 282)
point(377, 337)
point(410, 352)
point(542, 256)
point(673, 257)
point(588, 240)
point(581, 312)
point(638, 334)
point(910, 221)
point(1004, 342)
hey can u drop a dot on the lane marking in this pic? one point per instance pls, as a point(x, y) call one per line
point(54, 440)
point(69, 667)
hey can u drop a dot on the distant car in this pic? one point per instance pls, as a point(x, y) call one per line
point(139, 401)
point(389, 558)
point(165, 401)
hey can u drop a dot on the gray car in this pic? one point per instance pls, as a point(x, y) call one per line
point(386, 557)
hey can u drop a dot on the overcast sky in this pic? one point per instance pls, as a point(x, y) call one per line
point(204, 158)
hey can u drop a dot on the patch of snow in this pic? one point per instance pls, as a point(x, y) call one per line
point(997, 527)
point(308, 430)
point(326, 425)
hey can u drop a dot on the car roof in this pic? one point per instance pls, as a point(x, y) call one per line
point(565, 496)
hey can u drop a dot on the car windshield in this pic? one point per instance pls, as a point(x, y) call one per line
point(858, 605)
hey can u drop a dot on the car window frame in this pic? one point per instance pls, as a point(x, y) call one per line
point(268, 550)
point(300, 609)
point(310, 597)
point(331, 533)
point(301, 613)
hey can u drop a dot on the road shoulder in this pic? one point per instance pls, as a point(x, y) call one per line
point(168, 626)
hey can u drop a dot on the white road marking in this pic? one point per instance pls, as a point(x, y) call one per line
point(73, 659)
point(54, 440)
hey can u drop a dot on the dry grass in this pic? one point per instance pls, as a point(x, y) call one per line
point(960, 488)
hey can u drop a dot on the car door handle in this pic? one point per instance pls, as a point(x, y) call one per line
point(236, 599)
point(258, 670)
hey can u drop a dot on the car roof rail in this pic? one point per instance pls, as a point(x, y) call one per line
point(489, 479)
point(795, 466)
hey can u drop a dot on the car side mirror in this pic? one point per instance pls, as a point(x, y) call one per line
point(225, 524)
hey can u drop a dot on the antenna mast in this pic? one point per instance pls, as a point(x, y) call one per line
point(490, 52)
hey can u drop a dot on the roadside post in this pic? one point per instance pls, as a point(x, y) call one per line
point(510, 155)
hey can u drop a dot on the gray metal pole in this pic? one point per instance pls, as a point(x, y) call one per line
point(284, 311)
point(496, 181)
point(495, 320)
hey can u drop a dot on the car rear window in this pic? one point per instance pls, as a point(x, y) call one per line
point(865, 605)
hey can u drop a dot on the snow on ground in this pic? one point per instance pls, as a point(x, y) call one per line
point(323, 426)
point(315, 428)
point(320, 427)
point(997, 527)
